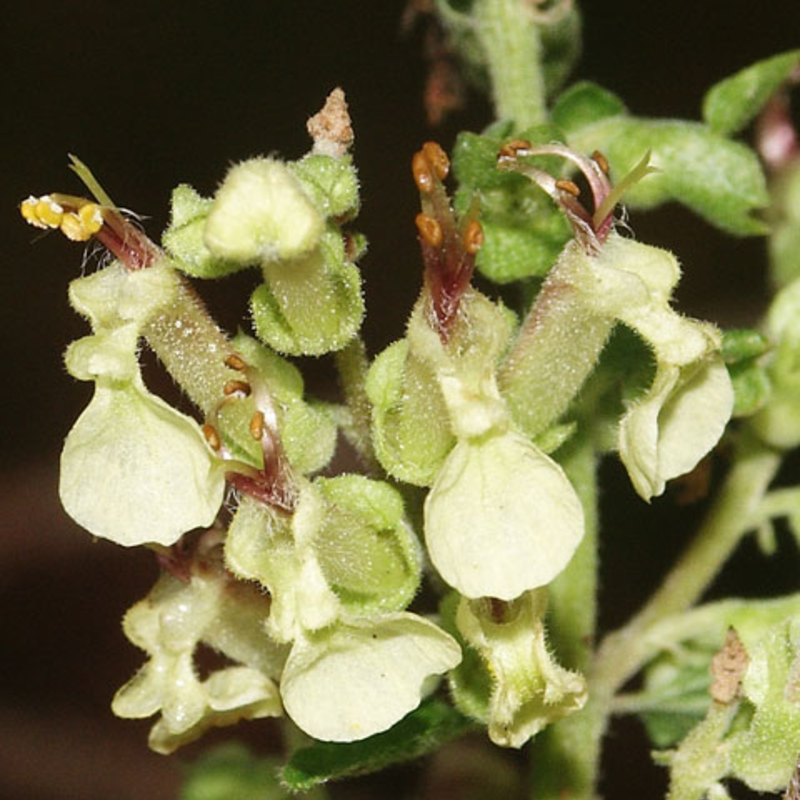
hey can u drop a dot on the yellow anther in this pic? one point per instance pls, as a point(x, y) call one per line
point(73, 228)
point(28, 210)
point(91, 217)
point(48, 212)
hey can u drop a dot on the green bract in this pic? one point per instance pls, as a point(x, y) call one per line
point(530, 690)
point(331, 183)
point(133, 469)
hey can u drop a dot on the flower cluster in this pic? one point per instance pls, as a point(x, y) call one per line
point(304, 584)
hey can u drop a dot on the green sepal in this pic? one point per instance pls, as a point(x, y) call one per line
point(331, 184)
point(367, 551)
point(720, 180)
point(312, 304)
point(403, 390)
point(422, 731)
point(307, 429)
point(232, 771)
point(733, 102)
point(585, 103)
point(523, 230)
point(742, 344)
point(470, 683)
point(183, 238)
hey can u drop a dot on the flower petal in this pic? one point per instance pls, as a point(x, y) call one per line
point(501, 517)
point(358, 679)
point(134, 470)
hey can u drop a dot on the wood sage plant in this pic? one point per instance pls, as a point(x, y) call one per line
point(449, 585)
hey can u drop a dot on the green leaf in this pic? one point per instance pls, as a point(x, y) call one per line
point(523, 230)
point(232, 772)
point(717, 178)
point(584, 103)
point(732, 103)
point(427, 728)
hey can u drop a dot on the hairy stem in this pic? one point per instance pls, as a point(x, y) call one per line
point(564, 755)
point(352, 364)
point(625, 651)
point(510, 39)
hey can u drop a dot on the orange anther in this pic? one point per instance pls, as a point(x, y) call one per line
point(429, 229)
point(510, 149)
point(421, 169)
point(236, 362)
point(473, 237)
point(569, 187)
point(437, 158)
point(601, 161)
point(212, 437)
point(237, 387)
point(257, 425)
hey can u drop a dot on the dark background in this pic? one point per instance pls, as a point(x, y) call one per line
point(152, 94)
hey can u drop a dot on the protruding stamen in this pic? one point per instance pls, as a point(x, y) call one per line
point(237, 387)
point(514, 148)
point(429, 229)
point(236, 362)
point(601, 161)
point(569, 187)
point(257, 425)
point(473, 237)
point(212, 436)
point(437, 159)
point(421, 169)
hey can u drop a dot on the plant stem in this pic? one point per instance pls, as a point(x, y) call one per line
point(625, 651)
point(564, 755)
point(352, 364)
point(510, 39)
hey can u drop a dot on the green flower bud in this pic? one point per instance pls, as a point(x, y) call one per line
point(531, 690)
point(331, 183)
point(310, 304)
point(354, 680)
point(501, 517)
point(261, 213)
point(169, 624)
point(184, 239)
